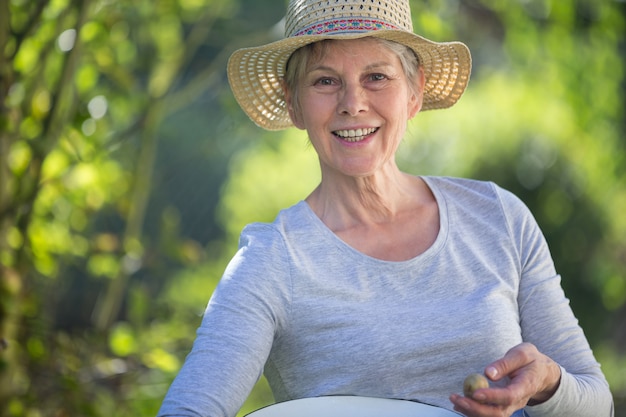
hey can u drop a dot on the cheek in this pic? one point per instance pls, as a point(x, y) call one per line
point(314, 112)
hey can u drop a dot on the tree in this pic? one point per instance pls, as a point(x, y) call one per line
point(86, 87)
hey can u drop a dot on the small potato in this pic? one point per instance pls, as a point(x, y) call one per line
point(474, 382)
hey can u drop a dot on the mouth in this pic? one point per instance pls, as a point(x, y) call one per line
point(354, 135)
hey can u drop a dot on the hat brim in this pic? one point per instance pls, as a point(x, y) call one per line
point(255, 73)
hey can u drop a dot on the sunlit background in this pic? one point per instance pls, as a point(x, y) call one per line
point(127, 171)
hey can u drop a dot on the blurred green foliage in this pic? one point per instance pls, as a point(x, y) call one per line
point(127, 172)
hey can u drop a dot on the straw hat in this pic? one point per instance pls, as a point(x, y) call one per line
point(255, 73)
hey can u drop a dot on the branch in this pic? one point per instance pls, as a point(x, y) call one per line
point(210, 76)
point(30, 25)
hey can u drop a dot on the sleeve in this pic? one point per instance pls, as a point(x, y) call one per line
point(547, 321)
point(234, 339)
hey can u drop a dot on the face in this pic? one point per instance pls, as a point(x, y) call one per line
point(355, 102)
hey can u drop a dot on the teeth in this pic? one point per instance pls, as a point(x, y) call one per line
point(354, 135)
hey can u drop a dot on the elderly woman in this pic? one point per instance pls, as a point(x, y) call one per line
point(380, 283)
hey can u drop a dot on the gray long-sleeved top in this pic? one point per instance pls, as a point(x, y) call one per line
point(324, 319)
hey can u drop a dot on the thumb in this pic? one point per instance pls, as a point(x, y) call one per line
point(513, 360)
point(492, 371)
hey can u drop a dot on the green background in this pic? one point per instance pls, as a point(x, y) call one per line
point(127, 171)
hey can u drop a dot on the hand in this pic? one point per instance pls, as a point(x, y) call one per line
point(533, 379)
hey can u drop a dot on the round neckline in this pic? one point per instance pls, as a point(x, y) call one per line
point(428, 253)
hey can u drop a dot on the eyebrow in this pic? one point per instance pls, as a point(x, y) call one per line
point(378, 65)
point(369, 67)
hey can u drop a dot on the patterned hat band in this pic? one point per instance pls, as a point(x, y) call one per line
point(356, 25)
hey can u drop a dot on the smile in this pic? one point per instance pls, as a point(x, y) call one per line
point(354, 135)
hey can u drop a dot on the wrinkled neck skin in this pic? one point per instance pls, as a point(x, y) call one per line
point(343, 202)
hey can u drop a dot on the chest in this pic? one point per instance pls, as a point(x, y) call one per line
point(417, 319)
point(408, 236)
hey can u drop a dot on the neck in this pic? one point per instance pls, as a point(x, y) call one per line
point(343, 202)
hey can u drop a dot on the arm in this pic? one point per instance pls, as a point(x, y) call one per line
point(548, 322)
point(236, 334)
point(554, 373)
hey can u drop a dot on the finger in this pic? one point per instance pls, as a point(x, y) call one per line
point(509, 397)
point(469, 407)
point(516, 358)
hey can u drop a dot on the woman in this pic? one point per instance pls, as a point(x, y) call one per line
point(381, 283)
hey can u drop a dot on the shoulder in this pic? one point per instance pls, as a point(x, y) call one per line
point(274, 234)
point(470, 191)
point(482, 203)
point(262, 261)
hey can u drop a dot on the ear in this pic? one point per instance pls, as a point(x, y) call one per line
point(416, 99)
point(295, 117)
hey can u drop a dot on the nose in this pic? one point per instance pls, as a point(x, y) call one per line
point(352, 100)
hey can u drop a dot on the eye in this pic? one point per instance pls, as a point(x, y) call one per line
point(377, 77)
point(324, 81)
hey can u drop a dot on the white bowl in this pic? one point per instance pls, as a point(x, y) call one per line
point(351, 406)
